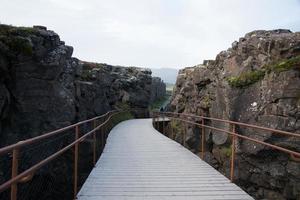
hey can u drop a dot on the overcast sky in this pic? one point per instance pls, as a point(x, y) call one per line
point(151, 33)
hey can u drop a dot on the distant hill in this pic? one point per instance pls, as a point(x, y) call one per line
point(168, 75)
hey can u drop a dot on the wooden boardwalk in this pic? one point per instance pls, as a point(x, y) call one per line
point(140, 163)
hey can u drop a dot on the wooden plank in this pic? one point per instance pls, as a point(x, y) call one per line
point(140, 163)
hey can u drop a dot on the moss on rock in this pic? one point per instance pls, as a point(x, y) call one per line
point(246, 79)
point(284, 65)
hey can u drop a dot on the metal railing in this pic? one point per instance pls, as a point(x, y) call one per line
point(204, 124)
point(97, 130)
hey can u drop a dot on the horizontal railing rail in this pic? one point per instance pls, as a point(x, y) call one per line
point(49, 134)
point(231, 122)
point(100, 124)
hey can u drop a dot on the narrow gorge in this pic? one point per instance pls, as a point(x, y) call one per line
point(256, 81)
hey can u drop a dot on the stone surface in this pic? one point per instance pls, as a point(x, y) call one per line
point(256, 81)
point(158, 89)
point(43, 88)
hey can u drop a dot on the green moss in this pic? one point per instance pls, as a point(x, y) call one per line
point(19, 45)
point(176, 126)
point(86, 75)
point(122, 106)
point(248, 78)
point(226, 151)
point(159, 102)
point(12, 30)
point(284, 65)
point(206, 101)
point(121, 117)
point(15, 39)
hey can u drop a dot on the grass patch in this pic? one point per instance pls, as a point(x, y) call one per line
point(122, 106)
point(12, 30)
point(177, 127)
point(226, 151)
point(15, 39)
point(121, 117)
point(246, 79)
point(159, 102)
point(169, 86)
point(284, 65)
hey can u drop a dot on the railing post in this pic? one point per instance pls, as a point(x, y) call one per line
point(76, 162)
point(184, 134)
point(105, 132)
point(163, 125)
point(14, 173)
point(202, 139)
point(94, 143)
point(102, 136)
point(172, 130)
point(232, 154)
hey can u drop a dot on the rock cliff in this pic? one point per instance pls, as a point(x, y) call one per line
point(256, 81)
point(158, 89)
point(42, 87)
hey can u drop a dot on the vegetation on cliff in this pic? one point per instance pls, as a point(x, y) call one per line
point(248, 78)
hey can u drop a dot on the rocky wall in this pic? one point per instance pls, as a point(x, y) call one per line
point(256, 81)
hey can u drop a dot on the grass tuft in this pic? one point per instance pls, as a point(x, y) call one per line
point(246, 79)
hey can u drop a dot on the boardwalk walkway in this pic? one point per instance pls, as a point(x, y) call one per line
point(140, 163)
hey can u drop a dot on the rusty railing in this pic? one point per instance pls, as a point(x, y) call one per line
point(98, 128)
point(203, 123)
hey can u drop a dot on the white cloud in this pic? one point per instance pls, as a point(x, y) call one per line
point(156, 33)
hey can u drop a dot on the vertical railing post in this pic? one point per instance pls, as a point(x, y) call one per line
point(172, 130)
point(94, 143)
point(76, 162)
point(232, 154)
point(202, 139)
point(163, 124)
point(184, 133)
point(102, 134)
point(14, 173)
point(105, 131)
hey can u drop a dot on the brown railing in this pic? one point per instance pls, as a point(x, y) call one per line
point(204, 123)
point(96, 131)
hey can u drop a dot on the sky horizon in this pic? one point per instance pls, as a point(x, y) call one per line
point(152, 34)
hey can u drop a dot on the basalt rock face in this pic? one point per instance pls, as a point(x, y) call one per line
point(37, 82)
point(102, 87)
point(158, 89)
point(256, 81)
point(42, 87)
